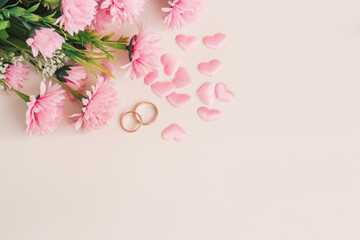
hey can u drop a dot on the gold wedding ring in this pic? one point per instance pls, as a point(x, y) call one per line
point(138, 117)
point(155, 115)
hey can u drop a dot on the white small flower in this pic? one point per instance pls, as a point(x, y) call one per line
point(57, 61)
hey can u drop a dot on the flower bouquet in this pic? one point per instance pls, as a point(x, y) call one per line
point(61, 39)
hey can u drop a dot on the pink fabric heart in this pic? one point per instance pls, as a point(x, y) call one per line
point(178, 100)
point(215, 42)
point(152, 77)
point(171, 64)
point(223, 94)
point(187, 43)
point(209, 115)
point(163, 89)
point(207, 93)
point(210, 68)
point(174, 132)
point(182, 78)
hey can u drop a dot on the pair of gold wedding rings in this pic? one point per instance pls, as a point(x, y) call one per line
point(138, 118)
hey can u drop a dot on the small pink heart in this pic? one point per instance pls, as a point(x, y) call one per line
point(215, 42)
point(174, 132)
point(171, 64)
point(207, 93)
point(209, 115)
point(223, 94)
point(210, 68)
point(178, 100)
point(187, 43)
point(182, 78)
point(163, 89)
point(152, 77)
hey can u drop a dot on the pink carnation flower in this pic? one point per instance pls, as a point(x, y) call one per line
point(102, 18)
point(76, 79)
point(182, 12)
point(15, 76)
point(46, 41)
point(143, 53)
point(45, 112)
point(77, 14)
point(124, 10)
point(99, 107)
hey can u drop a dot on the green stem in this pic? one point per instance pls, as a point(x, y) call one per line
point(10, 43)
point(74, 93)
point(119, 46)
point(16, 46)
point(23, 96)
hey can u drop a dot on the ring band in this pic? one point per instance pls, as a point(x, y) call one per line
point(138, 119)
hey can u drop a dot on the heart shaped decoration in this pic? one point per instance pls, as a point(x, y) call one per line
point(223, 94)
point(182, 78)
point(178, 100)
point(171, 64)
point(209, 115)
point(152, 77)
point(174, 132)
point(215, 42)
point(210, 68)
point(163, 89)
point(207, 93)
point(187, 43)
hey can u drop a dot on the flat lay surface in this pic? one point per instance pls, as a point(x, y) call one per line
point(280, 161)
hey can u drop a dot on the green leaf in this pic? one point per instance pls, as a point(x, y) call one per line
point(6, 13)
point(74, 93)
point(79, 46)
point(4, 24)
point(108, 37)
point(18, 42)
point(68, 46)
point(32, 17)
point(85, 64)
point(94, 53)
point(17, 11)
point(33, 8)
point(28, 26)
point(3, 34)
point(49, 18)
point(123, 39)
point(24, 97)
point(13, 5)
point(84, 38)
point(3, 2)
point(75, 57)
point(119, 46)
point(103, 69)
point(61, 73)
point(1, 16)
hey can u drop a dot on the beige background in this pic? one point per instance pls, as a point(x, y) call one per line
point(282, 163)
